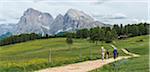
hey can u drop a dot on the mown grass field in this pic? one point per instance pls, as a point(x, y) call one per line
point(134, 45)
point(35, 55)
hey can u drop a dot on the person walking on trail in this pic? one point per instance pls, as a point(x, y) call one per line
point(115, 53)
point(107, 54)
point(103, 53)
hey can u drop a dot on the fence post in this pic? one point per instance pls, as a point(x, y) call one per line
point(90, 52)
point(49, 56)
point(80, 54)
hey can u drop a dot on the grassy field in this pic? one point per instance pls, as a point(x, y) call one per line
point(134, 45)
point(39, 54)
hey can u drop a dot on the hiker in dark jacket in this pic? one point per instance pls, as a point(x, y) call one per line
point(115, 53)
point(107, 54)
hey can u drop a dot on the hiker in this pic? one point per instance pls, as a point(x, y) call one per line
point(107, 54)
point(103, 53)
point(115, 53)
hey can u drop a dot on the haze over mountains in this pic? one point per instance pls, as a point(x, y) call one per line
point(34, 21)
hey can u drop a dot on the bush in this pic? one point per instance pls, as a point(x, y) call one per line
point(108, 41)
point(140, 40)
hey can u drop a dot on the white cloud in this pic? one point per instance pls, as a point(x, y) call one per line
point(116, 9)
point(142, 20)
point(9, 21)
point(115, 16)
point(135, 20)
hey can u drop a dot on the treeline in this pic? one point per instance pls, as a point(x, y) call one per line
point(105, 34)
point(19, 38)
point(108, 34)
point(28, 37)
point(97, 34)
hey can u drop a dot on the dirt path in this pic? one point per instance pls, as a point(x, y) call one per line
point(126, 52)
point(87, 65)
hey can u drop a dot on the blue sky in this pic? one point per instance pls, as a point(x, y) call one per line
point(107, 11)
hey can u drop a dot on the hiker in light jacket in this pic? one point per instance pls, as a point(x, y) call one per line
point(102, 52)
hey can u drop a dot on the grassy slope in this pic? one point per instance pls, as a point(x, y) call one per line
point(131, 65)
point(33, 55)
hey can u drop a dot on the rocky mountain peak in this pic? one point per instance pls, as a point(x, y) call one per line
point(59, 15)
point(78, 15)
point(34, 21)
point(31, 11)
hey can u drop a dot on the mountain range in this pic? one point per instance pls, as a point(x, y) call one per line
point(34, 21)
point(5, 35)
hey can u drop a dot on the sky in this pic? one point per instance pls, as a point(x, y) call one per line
point(106, 11)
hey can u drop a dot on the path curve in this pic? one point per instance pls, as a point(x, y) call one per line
point(88, 65)
point(126, 52)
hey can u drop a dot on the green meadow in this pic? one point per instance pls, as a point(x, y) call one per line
point(39, 54)
point(138, 45)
